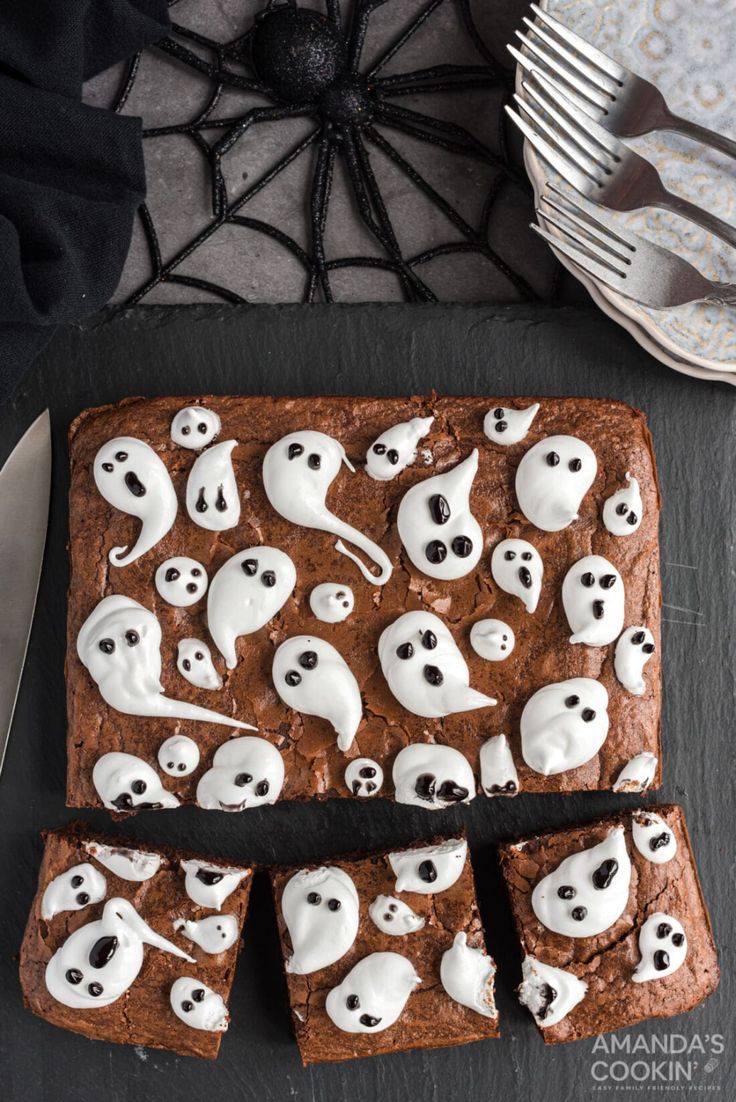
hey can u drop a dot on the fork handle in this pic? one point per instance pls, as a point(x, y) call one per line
point(703, 218)
point(701, 134)
point(723, 294)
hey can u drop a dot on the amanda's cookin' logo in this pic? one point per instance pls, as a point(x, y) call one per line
point(669, 1061)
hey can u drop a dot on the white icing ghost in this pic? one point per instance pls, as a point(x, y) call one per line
point(212, 495)
point(321, 910)
point(311, 676)
point(593, 599)
point(563, 725)
point(198, 1005)
point(181, 581)
point(331, 602)
point(393, 916)
point(210, 885)
point(633, 650)
point(549, 993)
point(441, 536)
point(517, 569)
point(120, 644)
point(498, 775)
point(127, 783)
point(432, 776)
point(637, 774)
point(128, 864)
point(552, 479)
point(663, 948)
point(72, 890)
point(467, 976)
point(364, 777)
point(396, 448)
point(178, 756)
point(493, 640)
point(245, 772)
point(424, 667)
point(101, 960)
point(132, 478)
point(504, 425)
point(653, 837)
point(373, 994)
point(194, 427)
point(622, 511)
point(298, 470)
point(194, 663)
point(588, 891)
point(214, 934)
point(246, 592)
point(429, 870)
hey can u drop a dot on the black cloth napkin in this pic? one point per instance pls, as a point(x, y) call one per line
point(71, 176)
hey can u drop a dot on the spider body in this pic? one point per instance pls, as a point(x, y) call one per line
point(297, 52)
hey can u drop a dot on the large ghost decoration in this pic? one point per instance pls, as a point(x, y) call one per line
point(467, 976)
point(517, 569)
point(212, 495)
point(428, 870)
point(552, 479)
point(100, 961)
point(593, 599)
point(198, 1006)
point(132, 478)
point(563, 725)
point(432, 776)
point(424, 667)
point(298, 471)
point(321, 911)
point(246, 592)
point(72, 890)
point(549, 993)
point(246, 772)
point(588, 891)
point(312, 677)
point(663, 948)
point(120, 645)
point(373, 994)
point(127, 783)
point(396, 448)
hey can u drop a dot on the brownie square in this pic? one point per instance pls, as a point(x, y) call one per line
point(88, 908)
point(418, 903)
point(654, 956)
point(314, 765)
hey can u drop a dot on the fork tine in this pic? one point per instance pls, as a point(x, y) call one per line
point(530, 67)
point(568, 134)
point(576, 119)
point(584, 233)
point(574, 153)
point(560, 164)
point(600, 80)
point(594, 215)
point(603, 61)
point(601, 272)
point(583, 89)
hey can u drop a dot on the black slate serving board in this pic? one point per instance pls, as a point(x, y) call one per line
point(389, 350)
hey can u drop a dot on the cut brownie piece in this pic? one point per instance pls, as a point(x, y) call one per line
point(133, 946)
point(385, 953)
point(612, 923)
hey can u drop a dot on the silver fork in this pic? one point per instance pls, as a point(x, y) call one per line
point(596, 163)
point(623, 103)
point(625, 262)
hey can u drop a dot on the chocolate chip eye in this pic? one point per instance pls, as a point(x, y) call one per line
point(139, 787)
point(433, 675)
point(82, 899)
point(579, 913)
point(293, 678)
point(249, 567)
point(393, 456)
point(74, 976)
point(588, 715)
point(664, 930)
point(566, 892)
point(632, 519)
point(462, 546)
point(242, 779)
point(181, 766)
point(509, 556)
point(369, 1020)
point(552, 459)
point(526, 556)
point(121, 456)
point(439, 509)
point(202, 427)
point(132, 638)
point(315, 461)
point(352, 1002)
point(95, 989)
point(388, 918)
point(187, 664)
point(295, 450)
point(575, 464)
point(171, 574)
point(622, 509)
point(199, 656)
point(314, 898)
point(107, 646)
point(77, 881)
point(185, 430)
point(187, 1006)
point(262, 788)
point(648, 648)
point(334, 904)
point(405, 650)
point(638, 638)
point(499, 413)
point(572, 701)
point(678, 940)
point(367, 771)
point(191, 587)
point(198, 994)
point(436, 551)
point(429, 640)
point(268, 578)
point(379, 449)
point(501, 426)
point(587, 580)
point(608, 580)
point(108, 467)
point(308, 660)
point(196, 571)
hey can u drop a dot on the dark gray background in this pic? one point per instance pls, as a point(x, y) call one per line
point(379, 350)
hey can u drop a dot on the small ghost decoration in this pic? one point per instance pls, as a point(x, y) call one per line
point(132, 478)
point(504, 425)
point(312, 677)
point(214, 934)
point(394, 917)
point(178, 756)
point(633, 650)
point(552, 479)
point(563, 725)
point(498, 775)
point(441, 536)
point(127, 783)
point(181, 581)
point(493, 640)
point(298, 470)
point(128, 864)
point(588, 891)
point(549, 993)
point(120, 645)
point(517, 569)
point(396, 448)
point(210, 885)
point(364, 777)
point(622, 511)
point(101, 960)
point(373, 994)
point(663, 948)
point(428, 870)
point(432, 776)
point(321, 910)
point(72, 890)
point(637, 774)
point(194, 663)
point(246, 772)
point(653, 837)
point(331, 602)
point(212, 492)
point(194, 427)
point(593, 599)
point(198, 1005)
point(424, 667)
point(246, 592)
point(467, 975)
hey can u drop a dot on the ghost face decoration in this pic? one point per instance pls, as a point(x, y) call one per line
point(72, 890)
point(246, 592)
point(663, 948)
point(429, 870)
point(214, 934)
point(120, 644)
point(181, 581)
point(549, 993)
point(128, 864)
point(498, 775)
point(622, 511)
point(432, 776)
point(441, 536)
point(212, 492)
point(517, 569)
point(653, 837)
point(593, 599)
point(178, 756)
point(373, 994)
point(194, 427)
point(396, 449)
point(588, 891)
point(210, 885)
point(504, 425)
point(424, 667)
point(246, 772)
point(563, 725)
point(493, 640)
point(100, 961)
point(394, 917)
point(127, 783)
point(321, 911)
point(312, 677)
point(198, 1005)
point(298, 470)
point(552, 479)
point(637, 774)
point(194, 663)
point(364, 777)
point(331, 602)
point(132, 478)
point(467, 977)
point(633, 650)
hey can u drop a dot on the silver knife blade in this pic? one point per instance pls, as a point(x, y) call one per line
point(25, 490)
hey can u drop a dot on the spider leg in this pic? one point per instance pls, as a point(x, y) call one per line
point(438, 78)
point(361, 15)
point(405, 35)
point(333, 12)
point(319, 200)
point(214, 72)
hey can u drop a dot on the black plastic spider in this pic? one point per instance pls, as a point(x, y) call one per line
point(308, 65)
